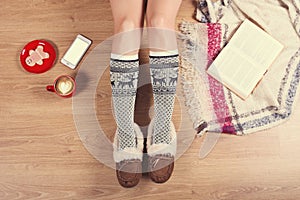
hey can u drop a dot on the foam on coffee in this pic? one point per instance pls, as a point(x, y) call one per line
point(64, 85)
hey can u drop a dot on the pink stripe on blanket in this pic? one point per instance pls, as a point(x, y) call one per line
point(220, 106)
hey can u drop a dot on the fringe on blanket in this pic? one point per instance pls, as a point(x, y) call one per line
point(195, 82)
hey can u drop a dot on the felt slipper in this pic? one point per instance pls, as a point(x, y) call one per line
point(129, 160)
point(161, 156)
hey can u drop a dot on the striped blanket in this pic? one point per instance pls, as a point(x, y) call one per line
point(212, 106)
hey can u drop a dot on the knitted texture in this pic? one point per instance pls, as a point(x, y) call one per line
point(273, 100)
point(124, 77)
point(164, 74)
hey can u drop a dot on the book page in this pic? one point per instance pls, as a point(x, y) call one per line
point(245, 59)
point(255, 43)
point(238, 72)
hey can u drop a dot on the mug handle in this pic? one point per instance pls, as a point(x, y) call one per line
point(50, 88)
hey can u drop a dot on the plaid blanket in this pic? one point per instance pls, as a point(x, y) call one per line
point(212, 106)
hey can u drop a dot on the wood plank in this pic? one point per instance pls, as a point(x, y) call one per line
point(42, 156)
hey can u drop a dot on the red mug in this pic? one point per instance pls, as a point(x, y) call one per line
point(63, 86)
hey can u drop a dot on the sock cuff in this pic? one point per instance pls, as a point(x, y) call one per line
point(170, 53)
point(119, 57)
point(166, 59)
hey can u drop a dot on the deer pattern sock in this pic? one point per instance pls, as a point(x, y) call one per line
point(164, 74)
point(124, 72)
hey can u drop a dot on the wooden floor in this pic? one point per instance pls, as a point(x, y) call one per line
point(42, 157)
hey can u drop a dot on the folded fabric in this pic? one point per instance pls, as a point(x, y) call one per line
point(208, 100)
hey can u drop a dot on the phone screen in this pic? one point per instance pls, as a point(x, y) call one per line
point(76, 51)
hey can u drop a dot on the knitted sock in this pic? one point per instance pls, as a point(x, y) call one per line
point(164, 73)
point(124, 72)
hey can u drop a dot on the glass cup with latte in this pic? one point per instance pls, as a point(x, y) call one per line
point(64, 86)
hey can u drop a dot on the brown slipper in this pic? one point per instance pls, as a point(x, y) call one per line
point(129, 172)
point(129, 160)
point(161, 156)
point(161, 168)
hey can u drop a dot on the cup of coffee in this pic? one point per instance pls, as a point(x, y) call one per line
point(64, 86)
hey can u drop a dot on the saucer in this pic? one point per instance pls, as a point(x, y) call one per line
point(38, 56)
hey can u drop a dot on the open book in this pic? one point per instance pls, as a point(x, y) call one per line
point(245, 59)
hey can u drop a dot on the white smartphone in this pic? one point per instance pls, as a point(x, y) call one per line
point(76, 51)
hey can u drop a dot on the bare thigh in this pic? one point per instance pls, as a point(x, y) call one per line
point(128, 18)
point(162, 13)
point(127, 14)
point(161, 17)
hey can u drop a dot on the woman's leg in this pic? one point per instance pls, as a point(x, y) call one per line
point(161, 16)
point(124, 68)
point(128, 16)
point(162, 13)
